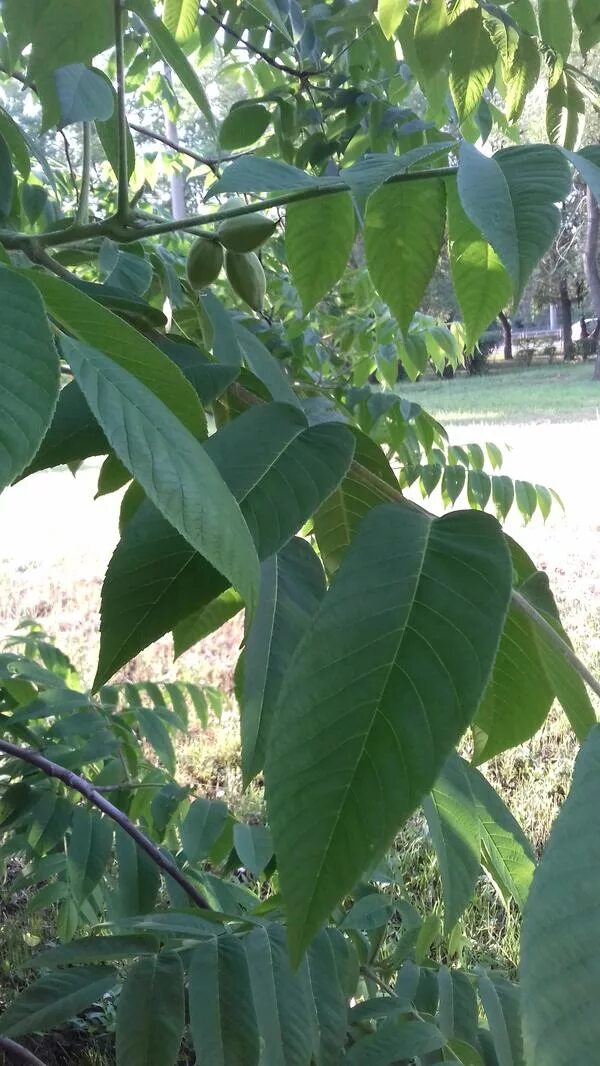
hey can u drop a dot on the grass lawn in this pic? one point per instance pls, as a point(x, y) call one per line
point(555, 392)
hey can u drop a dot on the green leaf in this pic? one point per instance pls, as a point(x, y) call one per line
point(222, 1015)
point(282, 998)
point(56, 998)
point(485, 197)
point(150, 1013)
point(75, 94)
point(292, 586)
point(254, 847)
point(88, 851)
point(245, 124)
point(472, 62)
point(73, 434)
point(202, 623)
point(390, 14)
point(171, 466)
point(431, 37)
point(522, 76)
point(329, 998)
point(265, 366)
point(29, 374)
point(454, 828)
point(507, 854)
point(252, 173)
point(108, 133)
point(369, 912)
point(66, 31)
point(396, 1039)
point(319, 235)
point(501, 1001)
point(173, 56)
point(526, 498)
point(154, 730)
point(94, 949)
point(339, 516)
point(560, 1016)
point(428, 598)
point(155, 579)
point(523, 227)
point(180, 18)
point(202, 827)
point(556, 26)
point(17, 143)
point(404, 229)
point(95, 325)
point(565, 112)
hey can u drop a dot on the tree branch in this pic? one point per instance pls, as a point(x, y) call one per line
point(204, 160)
point(87, 790)
point(18, 1053)
point(123, 175)
point(293, 72)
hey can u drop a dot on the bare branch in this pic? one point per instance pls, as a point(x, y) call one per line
point(17, 1053)
point(87, 790)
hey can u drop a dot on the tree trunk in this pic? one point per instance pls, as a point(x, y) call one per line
point(566, 320)
point(590, 265)
point(507, 330)
point(177, 180)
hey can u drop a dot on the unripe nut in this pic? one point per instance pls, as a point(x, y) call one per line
point(246, 277)
point(245, 233)
point(204, 262)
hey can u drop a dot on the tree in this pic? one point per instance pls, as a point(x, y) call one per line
point(590, 261)
point(376, 634)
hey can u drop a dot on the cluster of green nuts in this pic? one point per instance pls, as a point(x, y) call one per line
point(235, 243)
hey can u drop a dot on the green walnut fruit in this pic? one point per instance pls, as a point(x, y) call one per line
point(204, 262)
point(246, 277)
point(246, 233)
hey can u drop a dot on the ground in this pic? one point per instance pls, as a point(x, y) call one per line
point(56, 541)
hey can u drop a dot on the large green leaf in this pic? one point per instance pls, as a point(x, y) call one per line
point(404, 229)
point(512, 198)
point(556, 25)
point(560, 945)
point(485, 197)
point(180, 18)
point(222, 1015)
point(396, 1040)
point(330, 1001)
point(472, 61)
point(282, 999)
point(94, 949)
point(88, 851)
point(245, 124)
point(265, 366)
point(480, 281)
point(66, 31)
point(431, 37)
point(95, 325)
point(155, 579)
point(202, 826)
point(173, 56)
point(390, 14)
point(292, 586)
point(522, 76)
point(29, 375)
point(206, 620)
point(174, 470)
point(338, 517)
point(370, 732)
point(506, 852)
point(56, 998)
point(565, 112)
point(319, 235)
point(452, 818)
point(150, 1012)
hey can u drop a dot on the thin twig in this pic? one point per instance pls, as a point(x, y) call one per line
point(39, 255)
point(206, 161)
point(91, 794)
point(294, 72)
point(69, 161)
point(123, 172)
point(18, 1053)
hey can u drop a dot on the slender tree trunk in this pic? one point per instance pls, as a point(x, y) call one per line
point(507, 330)
point(590, 266)
point(177, 180)
point(566, 320)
